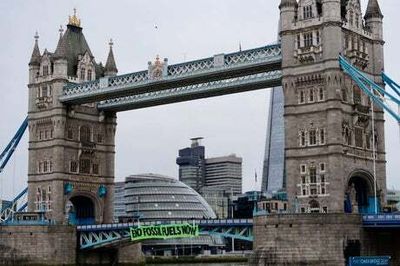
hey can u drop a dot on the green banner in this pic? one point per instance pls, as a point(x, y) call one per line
point(164, 231)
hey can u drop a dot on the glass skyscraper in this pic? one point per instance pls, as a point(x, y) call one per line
point(273, 178)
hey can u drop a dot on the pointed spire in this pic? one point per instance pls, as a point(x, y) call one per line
point(35, 58)
point(373, 10)
point(61, 50)
point(110, 68)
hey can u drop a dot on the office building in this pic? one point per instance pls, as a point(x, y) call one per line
point(273, 178)
point(151, 197)
point(217, 179)
point(191, 163)
point(119, 200)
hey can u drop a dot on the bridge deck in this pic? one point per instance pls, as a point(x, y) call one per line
point(217, 68)
point(210, 222)
point(381, 220)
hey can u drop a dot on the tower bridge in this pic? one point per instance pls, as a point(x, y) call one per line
point(327, 62)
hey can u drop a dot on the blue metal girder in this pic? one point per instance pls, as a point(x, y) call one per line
point(374, 91)
point(244, 233)
point(12, 145)
point(19, 203)
point(192, 92)
point(392, 84)
point(97, 236)
point(220, 67)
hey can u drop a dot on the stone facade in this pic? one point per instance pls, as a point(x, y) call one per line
point(328, 126)
point(71, 148)
point(57, 245)
point(319, 239)
point(304, 239)
point(40, 245)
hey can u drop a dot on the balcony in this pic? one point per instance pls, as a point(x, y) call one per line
point(358, 58)
point(87, 147)
point(308, 54)
point(43, 102)
point(361, 112)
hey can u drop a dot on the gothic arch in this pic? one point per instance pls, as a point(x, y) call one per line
point(97, 205)
point(366, 175)
point(359, 191)
point(85, 133)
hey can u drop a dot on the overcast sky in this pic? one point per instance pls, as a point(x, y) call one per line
point(148, 140)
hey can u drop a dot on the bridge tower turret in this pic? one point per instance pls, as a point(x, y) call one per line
point(71, 148)
point(328, 129)
point(110, 69)
point(34, 63)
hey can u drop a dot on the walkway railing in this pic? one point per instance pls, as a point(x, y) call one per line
point(215, 68)
point(96, 236)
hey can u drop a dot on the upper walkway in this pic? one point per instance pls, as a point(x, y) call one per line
point(222, 74)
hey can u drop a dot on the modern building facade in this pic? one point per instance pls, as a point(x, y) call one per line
point(191, 163)
point(119, 200)
point(151, 197)
point(329, 132)
point(157, 197)
point(273, 178)
point(217, 179)
point(393, 199)
point(225, 174)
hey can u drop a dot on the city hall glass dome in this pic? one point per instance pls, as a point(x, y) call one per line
point(157, 197)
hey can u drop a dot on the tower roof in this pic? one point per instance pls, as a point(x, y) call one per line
point(71, 45)
point(110, 66)
point(35, 58)
point(373, 10)
point(289, 3)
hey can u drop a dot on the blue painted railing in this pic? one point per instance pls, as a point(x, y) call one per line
point(381, 220)
point(12, 145)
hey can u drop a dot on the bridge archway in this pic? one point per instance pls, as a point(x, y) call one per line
point(360, 192)
point(82, 209)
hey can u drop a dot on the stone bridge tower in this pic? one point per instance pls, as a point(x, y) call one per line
point(329, 133)
point(71, 148)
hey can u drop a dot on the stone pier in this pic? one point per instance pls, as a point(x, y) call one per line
point(319, 239)
point(57, 245)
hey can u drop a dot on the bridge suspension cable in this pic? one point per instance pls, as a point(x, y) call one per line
point(12, 145)
point(374, 91)
point(19, 203)
point(377, 94)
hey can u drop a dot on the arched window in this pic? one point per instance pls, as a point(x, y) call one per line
point(83, 73)
point(314, 206)
point(312, 137)
point(89, 74)
point(302, 98)
point(357, 21)
point(302, 138)
point(45, 70)
point(322, 136)
point(84, 166)
point(351, 18)
point(311, 96)
point(84, 134)
point(356, 95)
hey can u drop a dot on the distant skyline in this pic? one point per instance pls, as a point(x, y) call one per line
point(148, 140)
